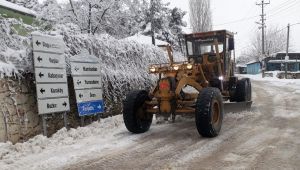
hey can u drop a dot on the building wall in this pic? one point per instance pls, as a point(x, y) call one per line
point(293, 67)
point(253, 68)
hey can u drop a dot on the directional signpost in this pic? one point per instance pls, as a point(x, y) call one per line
point(88, 87)
point(50, 76)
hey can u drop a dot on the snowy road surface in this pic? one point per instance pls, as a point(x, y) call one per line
point(267, 137)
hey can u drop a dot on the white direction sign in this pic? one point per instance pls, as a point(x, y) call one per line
point(88, 95)
point(50, 75)
point(87, 82)
point(86, 69)
point(49, 60)
point(88, 87)
point(51, 90)
point(53, 105)
point(46, 43)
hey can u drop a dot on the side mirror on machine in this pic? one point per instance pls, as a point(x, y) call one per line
point(231, 44)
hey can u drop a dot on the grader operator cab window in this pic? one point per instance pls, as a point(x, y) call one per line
point(197, 48)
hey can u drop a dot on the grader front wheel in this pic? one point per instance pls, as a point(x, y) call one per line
point(209, 112)
point(134, 112)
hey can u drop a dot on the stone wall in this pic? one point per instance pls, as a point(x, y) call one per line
point(18, 112)
point(19, 119)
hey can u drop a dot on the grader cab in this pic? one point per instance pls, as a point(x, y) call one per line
point(201, 85)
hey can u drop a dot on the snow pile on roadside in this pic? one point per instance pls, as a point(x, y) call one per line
point(294, 83)
point(10, 153)
point(242, 115)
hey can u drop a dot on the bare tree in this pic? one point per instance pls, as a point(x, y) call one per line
point(275, 42)
point(200, 15)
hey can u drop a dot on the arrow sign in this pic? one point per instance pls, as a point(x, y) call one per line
point(42, 90)
point(90, 108)
point(83, 69)
point(39, 59)
point(50, 75)
point(49, 60)
point(38, 43)
point(87, 82)
point(53, 105)
point(45, 91)
point(88, 95)
point(45, 43)
point(41, 75)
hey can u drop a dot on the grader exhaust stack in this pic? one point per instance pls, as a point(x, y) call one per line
point(201, 86)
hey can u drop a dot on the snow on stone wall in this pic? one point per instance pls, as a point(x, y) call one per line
point(124, 67)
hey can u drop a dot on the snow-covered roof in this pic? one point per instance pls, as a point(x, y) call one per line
point(283, 61)
point(17, 7)
point(283, 52)
point(142, 39)
point(241, 65)
point(252, 62)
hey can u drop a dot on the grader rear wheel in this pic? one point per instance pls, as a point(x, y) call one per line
point(209, 112)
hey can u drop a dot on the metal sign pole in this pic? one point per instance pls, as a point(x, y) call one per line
point(98, 117)
point(82, 121)
point(44, 125)
point(65, 120)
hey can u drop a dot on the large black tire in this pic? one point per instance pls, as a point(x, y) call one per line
point(135, 117)
point(243, 90)
point(209, 112)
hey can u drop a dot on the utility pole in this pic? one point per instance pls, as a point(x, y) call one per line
point(262, 27)
point(287, 51)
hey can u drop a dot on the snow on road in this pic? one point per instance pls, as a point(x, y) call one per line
point(293, 84)
point(267, 137)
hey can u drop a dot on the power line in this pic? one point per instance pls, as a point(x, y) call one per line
point(284, 9)
point(235, 21)
point(280, 8)
point(282, 5)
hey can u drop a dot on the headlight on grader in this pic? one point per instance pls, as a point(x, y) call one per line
point(189, 66)
point(152, 69)
point(176, 67)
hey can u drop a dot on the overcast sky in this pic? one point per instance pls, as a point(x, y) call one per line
point(240, 16)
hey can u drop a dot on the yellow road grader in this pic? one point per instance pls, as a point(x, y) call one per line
point(201, 86)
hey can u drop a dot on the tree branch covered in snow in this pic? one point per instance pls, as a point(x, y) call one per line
point(14, 52)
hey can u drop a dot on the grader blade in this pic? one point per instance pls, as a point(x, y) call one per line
point(236, 107)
